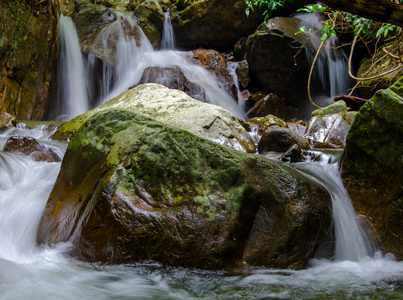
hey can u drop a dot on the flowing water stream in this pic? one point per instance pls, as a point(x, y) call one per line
point(74, 83)
point(29, 271)
point(133, 54)
point(329, 76)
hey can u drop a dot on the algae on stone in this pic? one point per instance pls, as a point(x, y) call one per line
point(131, 188)
point(174, 108)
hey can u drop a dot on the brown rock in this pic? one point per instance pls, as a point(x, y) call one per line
point(272, 104)
point(280, 139)
point(29, 146)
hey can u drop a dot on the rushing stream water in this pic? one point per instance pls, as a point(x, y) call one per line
point(29, 271)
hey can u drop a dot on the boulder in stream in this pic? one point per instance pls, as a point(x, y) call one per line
point(174, 108)
point(134, 189)
point(329, 126)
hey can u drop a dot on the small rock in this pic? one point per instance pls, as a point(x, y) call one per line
point(293, 154)
point(30, 146)
point(280, 139)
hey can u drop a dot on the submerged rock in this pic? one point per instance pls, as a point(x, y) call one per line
point(372, 168)
point(131, 188)
point(30, 146)
point(174, 108)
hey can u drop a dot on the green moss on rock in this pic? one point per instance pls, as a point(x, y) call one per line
point(373, 164)
point(131, 188)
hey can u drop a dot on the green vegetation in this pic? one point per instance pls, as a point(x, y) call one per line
point(383, 39)
point(267, 6)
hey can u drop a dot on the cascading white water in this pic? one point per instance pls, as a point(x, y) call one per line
point(29, 271)
point(232, 68)
point(168, 34)
point(351, 241)
point(73, 78)
point(133, 57)
point(24, 186)
point(330, 74)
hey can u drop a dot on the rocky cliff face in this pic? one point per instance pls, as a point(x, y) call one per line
point(28, 57)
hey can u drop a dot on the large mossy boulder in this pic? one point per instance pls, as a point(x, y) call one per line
point(174, 108)
point(372, 167)
point(132, 189)
point(28, 57)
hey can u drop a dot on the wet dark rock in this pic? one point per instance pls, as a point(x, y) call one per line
point(293, 154)
point(100, 39)
point(30, 146)
point(172, 78)
point(265, 122)
point(240, 49)
point(329, 131)
point(133, 189)
point(279, 139)
point(216, 63)
point(243, 74)
point(213, 24)
point(274, 105)
point(90, 20)
point(372, 167)
point(274, 62)
point(209, 58)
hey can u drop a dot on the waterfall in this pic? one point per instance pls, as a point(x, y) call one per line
point(134, 54)
point(232, 68)
point(330, 74)
point(126, 54)
point(351, 241)
point(124, 46)
point(29, 271)
point(73, 78)
point(25, 185)
point(168, 34)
